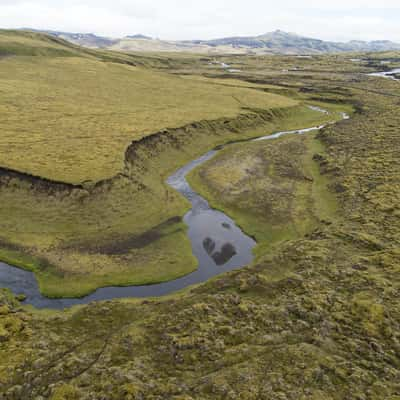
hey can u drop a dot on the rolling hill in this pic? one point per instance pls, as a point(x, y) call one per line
point(82, 39)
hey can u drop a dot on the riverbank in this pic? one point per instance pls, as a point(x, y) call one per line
point(230, 249)
point(294, 194)
point(93, 239)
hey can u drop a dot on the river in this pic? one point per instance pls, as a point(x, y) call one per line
point(217, 243)
point(387, 74)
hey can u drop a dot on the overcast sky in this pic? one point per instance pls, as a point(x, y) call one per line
point(205, 19)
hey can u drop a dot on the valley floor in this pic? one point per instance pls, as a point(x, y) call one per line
point(315, 317)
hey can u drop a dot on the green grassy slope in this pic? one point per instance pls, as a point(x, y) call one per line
point(23, 43)
point(71, 228)
point(79, 121)
point(71, 118)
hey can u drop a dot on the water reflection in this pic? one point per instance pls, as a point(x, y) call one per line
point(209, 246)
point(220, 257)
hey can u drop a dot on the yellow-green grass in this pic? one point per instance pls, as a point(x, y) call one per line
point(71, 231)
point(79, 272)
point(28, 43)
point(76, 235)
point(230, 82)
point(71, 119)
point(279, 174)
point(291, 205)
point(34, 44)
point(316, 319)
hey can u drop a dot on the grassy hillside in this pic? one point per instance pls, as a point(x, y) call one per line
point(76, 231)
point(71, 119)
point(34, 44)
point(27, 43)
point(85, 149)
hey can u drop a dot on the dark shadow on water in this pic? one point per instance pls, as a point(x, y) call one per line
point(220, 257)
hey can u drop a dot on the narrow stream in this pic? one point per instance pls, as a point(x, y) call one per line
point(217, 243)
point(387, 74)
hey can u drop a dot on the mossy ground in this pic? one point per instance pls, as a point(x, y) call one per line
point(77, 233)
point(87, 112)
point(272, 189)
point(315, 318)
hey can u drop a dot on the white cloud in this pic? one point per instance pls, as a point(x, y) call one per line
point(185, 19)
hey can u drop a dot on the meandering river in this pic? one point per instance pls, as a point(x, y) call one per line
point(217, 243)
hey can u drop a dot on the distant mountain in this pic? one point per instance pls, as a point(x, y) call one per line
point(376, 45)
point(277, 42)
point(283, 42)
point(139, 36)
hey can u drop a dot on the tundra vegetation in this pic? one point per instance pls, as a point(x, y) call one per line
point(86, 147)
point(316, 316)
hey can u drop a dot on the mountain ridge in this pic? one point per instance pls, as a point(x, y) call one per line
point(276, 42)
